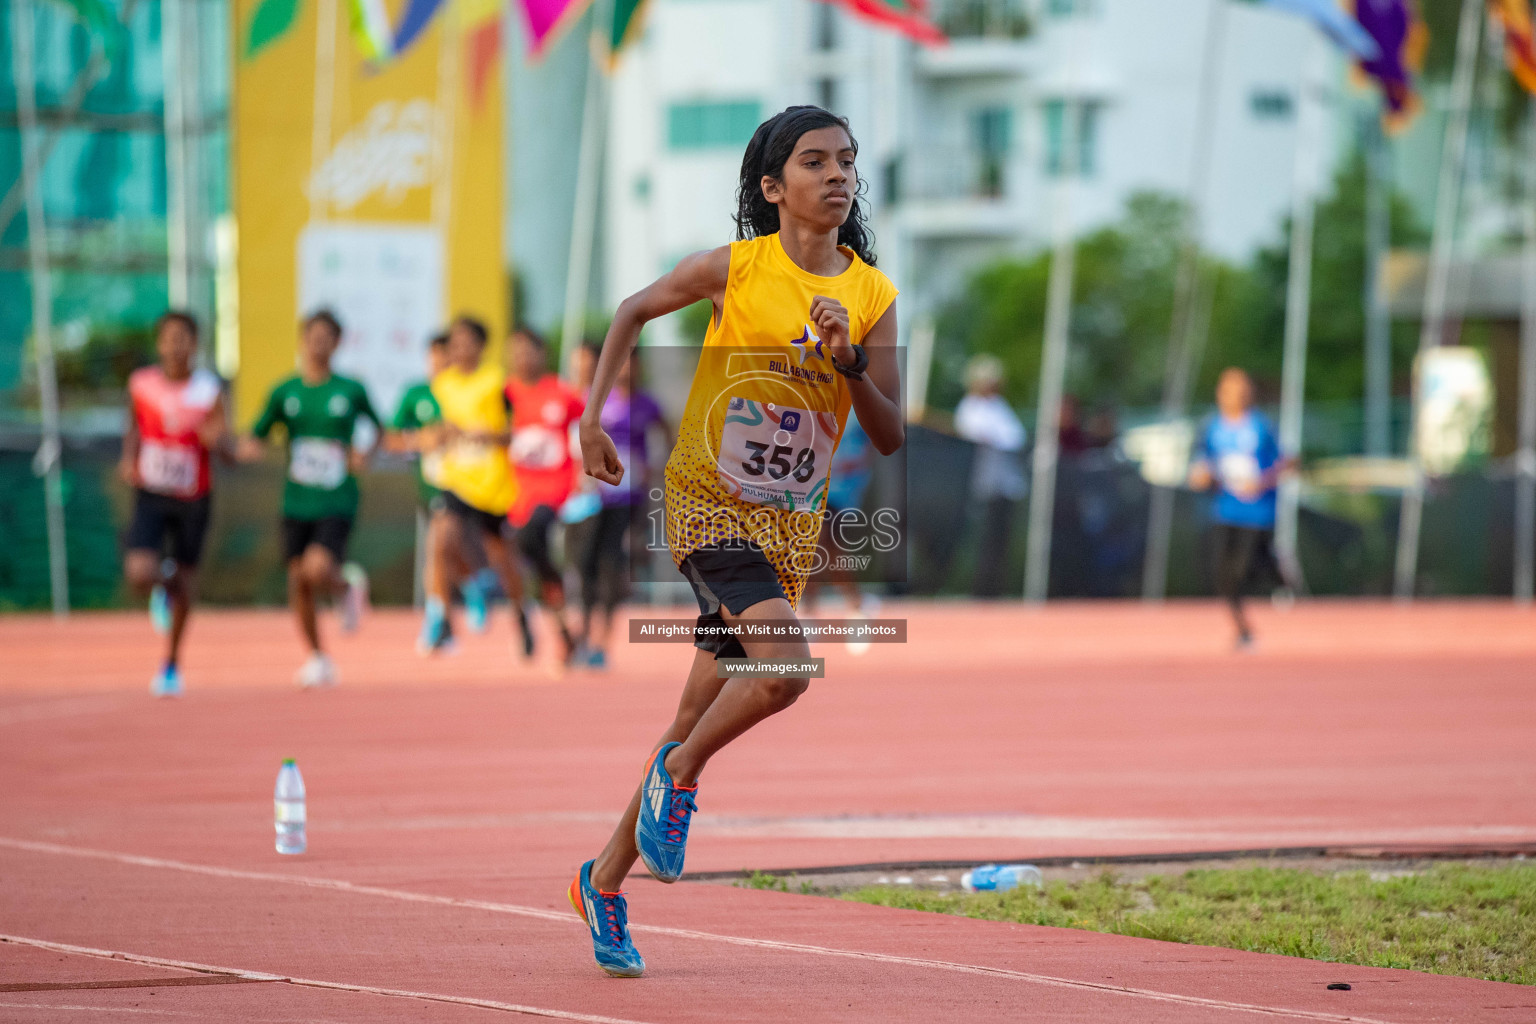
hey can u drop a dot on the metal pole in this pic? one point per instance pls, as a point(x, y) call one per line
point(1525, 480)
point(1189, 294)
point(1378, 324)
point(1053, 357)
point(177, 215)
point(589, 168)
point(1298, 297)
point(48, 461)
point(920, 366)
point(1453, 156)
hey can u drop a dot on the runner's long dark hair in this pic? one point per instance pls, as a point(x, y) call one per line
point(771, 147)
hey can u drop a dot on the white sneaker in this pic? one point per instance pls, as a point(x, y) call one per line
point(869, 607)
point(355, 601)
point(317, 672)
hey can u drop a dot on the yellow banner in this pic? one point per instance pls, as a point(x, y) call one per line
point(369, 186)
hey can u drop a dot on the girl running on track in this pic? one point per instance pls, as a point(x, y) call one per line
point(803, 326)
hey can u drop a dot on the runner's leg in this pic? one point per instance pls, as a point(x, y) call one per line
point(619, 856)
point(742, 703)
point(301, 598)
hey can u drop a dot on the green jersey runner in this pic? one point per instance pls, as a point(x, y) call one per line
point(319, 420)
point(418, 408)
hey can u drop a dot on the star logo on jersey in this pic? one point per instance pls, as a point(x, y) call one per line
point(803, 344)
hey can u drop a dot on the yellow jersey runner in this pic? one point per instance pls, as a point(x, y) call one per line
point(766, 411)
point(477, 471)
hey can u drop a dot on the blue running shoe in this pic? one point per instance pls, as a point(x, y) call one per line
point(167, 683)
point(436, 632)
point(661, 831)
point(160, 609)
point(607, 918)
point(475, 614)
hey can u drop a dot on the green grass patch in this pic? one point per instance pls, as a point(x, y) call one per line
point(1473, 920)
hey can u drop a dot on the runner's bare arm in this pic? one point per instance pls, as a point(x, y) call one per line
point(877, 398)
point(696, 277)
point(127, 464)
point(214, 430)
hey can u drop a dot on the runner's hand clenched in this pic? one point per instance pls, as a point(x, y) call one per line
point(599, 457)
point(831, 320)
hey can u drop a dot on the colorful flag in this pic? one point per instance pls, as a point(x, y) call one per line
point(1519, 44)
point(909, 17)
point(1333, 21)
point(1401, 36)
point(270, 22)
point(370, 29)
point(482, 44)
point(548, 19)
point(628, 15)
point(418, 14)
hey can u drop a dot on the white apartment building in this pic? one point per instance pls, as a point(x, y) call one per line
point(962, 147)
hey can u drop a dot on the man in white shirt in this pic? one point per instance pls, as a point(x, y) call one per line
point(997, 478)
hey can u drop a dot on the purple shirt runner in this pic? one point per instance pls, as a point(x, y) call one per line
point(627, 419)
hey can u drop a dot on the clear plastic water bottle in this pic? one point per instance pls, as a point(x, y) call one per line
point(288, 809)
point(992, 878)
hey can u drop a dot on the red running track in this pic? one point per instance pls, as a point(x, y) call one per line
point(451, 800)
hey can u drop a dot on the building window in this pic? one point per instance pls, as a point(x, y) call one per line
point(823, 27)
point(826, 93)
point(993, 129)
point(1271, 104)
point(712, 125)
point(1086, 118)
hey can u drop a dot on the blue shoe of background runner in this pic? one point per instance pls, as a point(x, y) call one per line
point(167, 683)
point(475, 614)
point(436, 631)
point(661, 831)
point(607, 918)
point(160, 609)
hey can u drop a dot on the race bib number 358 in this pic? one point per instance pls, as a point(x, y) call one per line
point(317, 462)
point(774, 455)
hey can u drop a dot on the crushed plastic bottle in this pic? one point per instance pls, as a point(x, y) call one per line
point(994, 878)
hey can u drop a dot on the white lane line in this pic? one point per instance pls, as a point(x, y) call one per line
point(684, 933)
point(74, 1008)
point(339, 986)
point(57, 709)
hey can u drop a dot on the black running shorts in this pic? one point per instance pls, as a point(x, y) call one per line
point(162, 523)
point(730, 576)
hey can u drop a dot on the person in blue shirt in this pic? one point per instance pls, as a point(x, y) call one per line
point(1239, 458)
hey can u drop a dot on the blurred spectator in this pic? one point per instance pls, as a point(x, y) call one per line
point(1071, 439)
point(997, 481)
point(1239, 458)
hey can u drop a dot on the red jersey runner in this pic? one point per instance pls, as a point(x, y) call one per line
point(173, 460)
point(542, 414)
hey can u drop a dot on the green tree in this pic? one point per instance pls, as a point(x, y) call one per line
point(1249, 330)
point(1122, 307)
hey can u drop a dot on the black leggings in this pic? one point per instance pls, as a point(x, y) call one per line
point(1244, 556)
point(605, 564)
point(533, 542)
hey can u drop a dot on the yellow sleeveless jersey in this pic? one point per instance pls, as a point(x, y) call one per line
point(766, 411)
point(476, 471)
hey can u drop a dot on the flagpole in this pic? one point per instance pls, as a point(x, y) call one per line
point(589, 167)
point(1058, 323)
point(1190, 299)
point(48, 463)
point(1453, 157)
point(1298, 298)
point(177, 216)
point(1378, 324)
point(1525, 461)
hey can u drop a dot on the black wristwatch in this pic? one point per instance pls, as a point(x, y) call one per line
point(860, 363)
